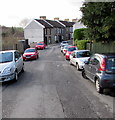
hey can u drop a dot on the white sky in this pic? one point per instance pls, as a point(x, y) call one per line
point(13, 11)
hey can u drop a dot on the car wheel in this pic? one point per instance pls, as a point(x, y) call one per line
point(98, 87)
point(70, 62)
point(84, 74)
point(16, 76)
point(77, 66)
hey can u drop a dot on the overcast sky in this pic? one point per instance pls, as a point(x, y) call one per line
point(13, 11)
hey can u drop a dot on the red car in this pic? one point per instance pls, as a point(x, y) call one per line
point(30, 54)
point(69, 51)
point(40, 45)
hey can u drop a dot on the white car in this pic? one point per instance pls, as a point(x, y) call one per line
point(65, 49)
point(11, 64)
point(63, 43)
point(79, 57)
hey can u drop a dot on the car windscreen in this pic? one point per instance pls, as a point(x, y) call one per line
point(83, 54)
point(66, 47)
point(72, 49)
point(40, 44)
point(110, 67)
point(6, 57)
point(64, 42)
point(29, 50)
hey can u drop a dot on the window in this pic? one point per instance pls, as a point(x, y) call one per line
point(83, 54)
point(111, 64)
point(17, 55)
point(6, 57)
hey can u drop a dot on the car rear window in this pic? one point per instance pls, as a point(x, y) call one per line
point(110, 65)
point(72, 49)
point(83, 54)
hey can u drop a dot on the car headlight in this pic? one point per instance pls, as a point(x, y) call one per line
point(7, 70)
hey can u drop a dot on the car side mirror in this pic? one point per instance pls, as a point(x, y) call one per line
point(16, 59)
point(74, 56)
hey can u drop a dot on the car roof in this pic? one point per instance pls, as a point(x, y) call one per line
point(105, 54)
point(81, 50)
point(7, 51)
point(30, 48)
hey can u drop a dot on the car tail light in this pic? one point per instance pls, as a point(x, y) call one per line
point(102, 65)
point(65, 50)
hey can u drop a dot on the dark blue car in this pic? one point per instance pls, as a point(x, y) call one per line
point(100, 69)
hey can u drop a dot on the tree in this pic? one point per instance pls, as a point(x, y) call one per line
point(24, 22)
point(12, 30)
point(99, 17)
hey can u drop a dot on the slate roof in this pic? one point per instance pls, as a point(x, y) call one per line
point(67, 24)
point(44, 23)
point(55, 23)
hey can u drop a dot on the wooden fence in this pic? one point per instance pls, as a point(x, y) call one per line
point(101, 47)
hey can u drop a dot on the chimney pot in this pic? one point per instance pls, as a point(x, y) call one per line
point(56, 18)
point(43, 17)
point(66, 20)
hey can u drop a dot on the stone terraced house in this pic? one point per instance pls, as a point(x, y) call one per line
point(49, 31)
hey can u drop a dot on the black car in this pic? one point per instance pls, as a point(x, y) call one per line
point(100, 69)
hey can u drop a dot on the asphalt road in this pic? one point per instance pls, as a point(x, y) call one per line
point(51, 88)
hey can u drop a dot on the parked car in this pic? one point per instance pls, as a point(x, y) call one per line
point(11, 64)
point(63, 43)
point(62, 47)
point(69, 51)
point(30, 54)
point(100, 69)
point(78, 57)
point(65, 49)
point(40, 46)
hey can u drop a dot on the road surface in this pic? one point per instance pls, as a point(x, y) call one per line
point(51, 88)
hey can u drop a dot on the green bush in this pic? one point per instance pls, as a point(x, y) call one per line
point(79, 33)
point(81, 44)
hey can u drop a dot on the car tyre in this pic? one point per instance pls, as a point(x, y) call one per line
point(22, 69)
point(84, 74)
point(16, 76)
point(99, 89)
point(70, 62)
point(77, 66)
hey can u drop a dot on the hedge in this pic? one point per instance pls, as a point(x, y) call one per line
point(79, 33)
point(81, 44)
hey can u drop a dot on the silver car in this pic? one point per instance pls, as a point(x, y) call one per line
point(11, 64)
point(79, 57)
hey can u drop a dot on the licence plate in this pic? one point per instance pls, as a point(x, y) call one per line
point(27, 57)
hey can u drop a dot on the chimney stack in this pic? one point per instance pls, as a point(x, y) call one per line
point(43, 17)
point(74, 20)
point(66, 20)
point(56, 18)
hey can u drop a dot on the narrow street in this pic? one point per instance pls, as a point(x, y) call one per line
point(51, 88)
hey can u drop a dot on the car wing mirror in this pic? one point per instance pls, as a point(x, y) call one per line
point(74, 56)
point(16, 59)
